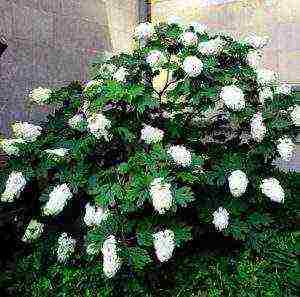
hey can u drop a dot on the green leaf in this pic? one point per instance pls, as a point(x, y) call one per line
point(145, 238)
point(183, 196)
point(182, 234)
point(138, 257)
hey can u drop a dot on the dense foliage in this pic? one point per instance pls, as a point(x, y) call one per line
point(156, 178)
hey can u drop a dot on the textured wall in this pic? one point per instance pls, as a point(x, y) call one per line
point(50, 43)
point(279, 19)
point(122, 19)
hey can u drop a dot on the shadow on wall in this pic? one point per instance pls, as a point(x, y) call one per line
point(3, 45)
point(49, 45)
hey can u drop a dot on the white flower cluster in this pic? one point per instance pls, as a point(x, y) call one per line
point(189, 39)
point(33, 231)
point(199, 28)
point(233, 97)
point(180, 155)
point(192, 66)
point(76, 121)
point(256, 41)
point(238, 183)
point(155, 58)
point(272, 189)
point(254, 58)
point(111, 260)
point(265, 76)
point(295, 115)
point(286, 148)
point(284, 89)
point(15, 184)
point(221, 218)
point(144, 31)
point(60, 152)
point(120, 74)
point(164, 244)
point(264, 94)
point(211, 47)
point(161, 195)
point(94, 216)
point(40, 95)
point(151, 135)
point(258, 128)
point(66, 247)
point(9, 146)
point(26, 131)
point(57, 200)
point(98, 124)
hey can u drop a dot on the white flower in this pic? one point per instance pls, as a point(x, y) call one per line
point(144, 31)
point(161, 195)
point(164, 244)
point(264, 94)
point(256, 41)
point(66, 247)
point(272, 189)
point(266, 76)
point(76, 121)
point(221, 218)
point(26, 131)
point(192, 66)
point(254, 58)
point(233, 97)
point(94, 216)
point(295, 115)
point(286, 148)
point(15, 184)
point(58, 198)
point(33, 231)
point(199, 28)
point(238, 183)
point(284, 89)
point(91, 84)
point(180, 155)
point(151, 135)
point(40, 95)
point(189, 39)
point(155, 58)
point(60, 152)
point(98, 124)
point(211, 47)
point(258, 128)
point(120, 75)
point(111, 260)
point(9, 146)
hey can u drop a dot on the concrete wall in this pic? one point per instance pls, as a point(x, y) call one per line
point(279, 19)
point(123, 17)
point(50, 43)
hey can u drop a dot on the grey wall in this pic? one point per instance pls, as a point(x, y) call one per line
point(49, 44)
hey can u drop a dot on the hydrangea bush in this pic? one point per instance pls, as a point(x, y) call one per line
point(167, 144)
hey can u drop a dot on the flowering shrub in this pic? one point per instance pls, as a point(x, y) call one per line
point(140, 170)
